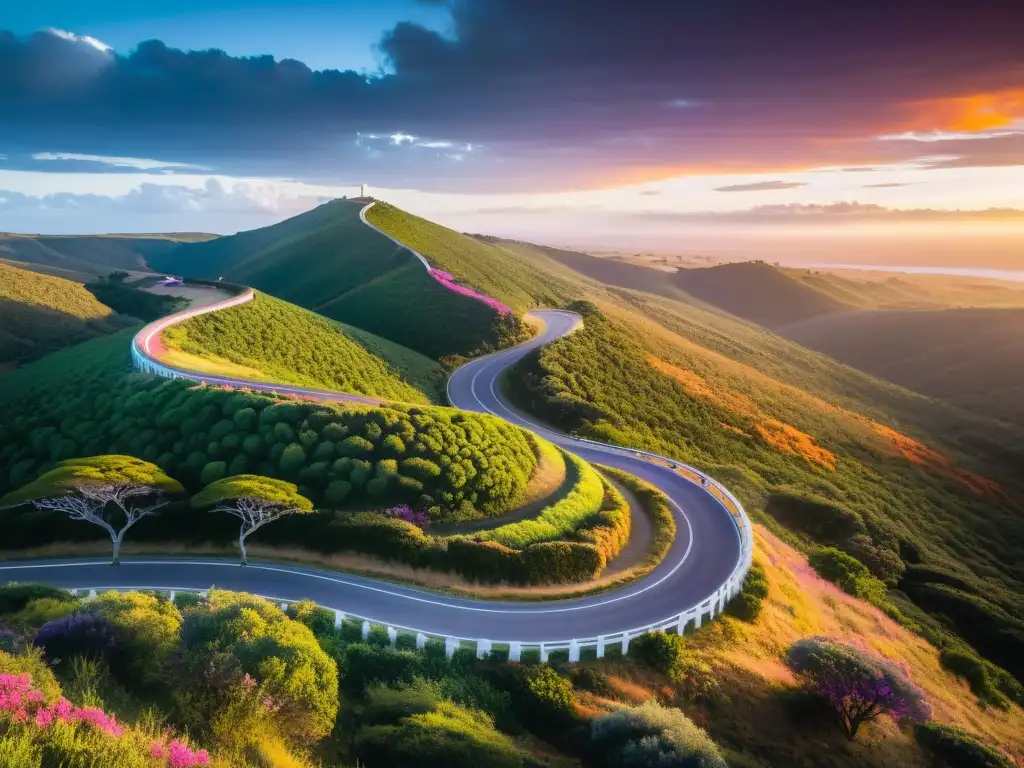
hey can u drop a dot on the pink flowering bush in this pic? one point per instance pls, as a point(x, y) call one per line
point(21, 703)
point(448, 281)
point(859, 687)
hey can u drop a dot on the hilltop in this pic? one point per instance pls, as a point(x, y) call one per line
point(40, 314)
point(329, 261)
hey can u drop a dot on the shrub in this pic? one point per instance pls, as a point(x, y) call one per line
point(848, 573)
point(42, 610)
point(355, 446)
point(746, 606)
point(860, 688)
point(982, 676)
point(651, 736)
point(364, 664)
point(148, 629)
point(958, 748)
point(541, 697)
point(78, 634)
point(319, 620)
point(213, 472)
point(14, 596)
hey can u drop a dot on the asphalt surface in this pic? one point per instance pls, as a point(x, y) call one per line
point(703, 555)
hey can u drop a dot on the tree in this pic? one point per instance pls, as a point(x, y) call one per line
point(652, 736)
point(100, 490)
point(253, 499)
point(859, 687)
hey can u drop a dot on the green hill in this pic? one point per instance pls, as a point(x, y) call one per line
point(40, 314)
point(327, 260)
point(267, 339)
point(94, 255)
point(970, 357)
point(758, 292)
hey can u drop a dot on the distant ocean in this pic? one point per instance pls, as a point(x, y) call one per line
point(1014, 275)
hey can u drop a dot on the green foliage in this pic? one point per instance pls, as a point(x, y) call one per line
point(565, 515)
point(147, 627)
point(651, 736)
point(135, 302)
point(32, 662)
point(286, 344)
point(746, 606)
point(282, 655)
point(73, 474)
point(993, 686)
point(848, 573)
point(411, 728)
point(957, 748)
point(265, 489)
point(363, 664)
point(319, 620)
point(15, 595)
point(40, 314)
point(541, 697)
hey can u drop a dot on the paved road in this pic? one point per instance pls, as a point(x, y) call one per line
point(702, 557)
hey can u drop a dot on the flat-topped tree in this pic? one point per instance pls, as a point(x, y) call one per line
point(253, 499)
point(107, 491)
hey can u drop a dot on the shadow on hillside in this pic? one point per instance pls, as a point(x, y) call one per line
point(28, 332)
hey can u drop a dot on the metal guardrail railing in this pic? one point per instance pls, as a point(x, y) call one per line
point(144, 360)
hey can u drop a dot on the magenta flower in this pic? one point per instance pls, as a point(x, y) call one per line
point(448, 281)
point(417, 517)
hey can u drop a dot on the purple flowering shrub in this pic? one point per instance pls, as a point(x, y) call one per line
point(448, 281)
point(858, 686)
point(78, 634)
point(417, 517)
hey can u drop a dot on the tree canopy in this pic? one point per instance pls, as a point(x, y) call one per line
point(268, 490)
point(72, 475)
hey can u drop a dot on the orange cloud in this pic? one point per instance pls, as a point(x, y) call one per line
point(968, 114)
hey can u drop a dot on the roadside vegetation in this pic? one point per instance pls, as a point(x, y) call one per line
point(40, 314)
point(924, 543)
point(228, 679)
point(271, 340)
point(128, 299)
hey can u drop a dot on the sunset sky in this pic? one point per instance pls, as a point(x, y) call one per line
point(512, 116)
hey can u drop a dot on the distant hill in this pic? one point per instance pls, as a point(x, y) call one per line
point(94, 255)
point(327, 260)
point(40, 314)
point(970, 357)
point(758, 292)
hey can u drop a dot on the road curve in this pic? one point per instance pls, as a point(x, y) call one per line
point(705, 564)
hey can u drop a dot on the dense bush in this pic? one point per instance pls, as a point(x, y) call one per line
point(135, 302)
point(363, 664)
point(957, 748)
point(14, 596)
point(147, 627)
point(860, 688)
point(412, 728)
point(746, 606)
point(192, 432)
point(993, 686)
point(651, 736)
point(541, 698)
point(281, 655)
point(79, 634)
point(290, 345)
point(848, 573)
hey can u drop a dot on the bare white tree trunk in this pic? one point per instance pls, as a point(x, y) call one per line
point(241, 543)
point(90, 501)
point(254, 514)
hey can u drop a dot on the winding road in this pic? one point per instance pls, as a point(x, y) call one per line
point(703, 568)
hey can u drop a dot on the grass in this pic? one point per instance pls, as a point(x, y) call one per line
point(417, 369)
point(327, 260)
point(93, 255)
point(40, 314)
point(267, 339)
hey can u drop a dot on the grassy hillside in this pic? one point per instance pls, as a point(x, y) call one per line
point(327, 260)
point(493, 271)
point(267, 339)
point(417, 369)
point(758, 292)
point(95, 255)
point(970, 357)
point(40, 314)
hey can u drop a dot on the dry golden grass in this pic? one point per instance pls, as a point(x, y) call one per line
point(801, 604)
point(549, 475)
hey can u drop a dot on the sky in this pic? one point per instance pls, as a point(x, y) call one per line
point(616, 122)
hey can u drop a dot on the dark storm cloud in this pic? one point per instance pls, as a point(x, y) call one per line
point(761, 186)
point(548, 94)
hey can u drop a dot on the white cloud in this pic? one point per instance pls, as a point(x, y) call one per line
point(99, 45)
point(139, 163)
point(937, 135)
point(682, 103)
point(434, 144)
point(402, 138)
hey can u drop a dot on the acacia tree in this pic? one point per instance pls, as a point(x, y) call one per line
point(859, 687)
point(107, 491)
point(253, 499)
